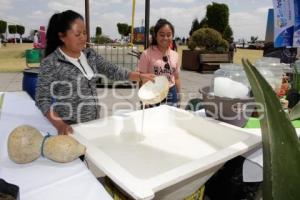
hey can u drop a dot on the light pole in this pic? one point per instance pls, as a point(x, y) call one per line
point(87, 20)
point(132, 22)
point(147, 15)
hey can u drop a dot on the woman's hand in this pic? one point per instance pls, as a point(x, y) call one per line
point(61, 127)
point(147, 77)
point(137, 76)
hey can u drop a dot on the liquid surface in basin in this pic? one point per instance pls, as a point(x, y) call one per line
point(154, 152)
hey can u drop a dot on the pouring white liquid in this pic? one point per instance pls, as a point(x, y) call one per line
point(143, 117)
point(153, 93)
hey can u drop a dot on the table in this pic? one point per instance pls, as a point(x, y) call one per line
point(42, 178)
point(253, 164)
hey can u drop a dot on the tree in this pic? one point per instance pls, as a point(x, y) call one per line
point(195, 26)
point(128, 31)
point(123, 29)
point(217, 16)
point(3, 25)
point(203, 23)
point(208, 39)
point(227, 35)
point(102, 39)
point(12, 29)
point(20, 30)
point(98, 31)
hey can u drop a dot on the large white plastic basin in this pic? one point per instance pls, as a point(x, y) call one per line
point(177, 149)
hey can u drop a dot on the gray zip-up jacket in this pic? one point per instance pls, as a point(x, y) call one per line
point(62, 88)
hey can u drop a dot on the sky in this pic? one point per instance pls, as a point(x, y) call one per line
point(247, 17)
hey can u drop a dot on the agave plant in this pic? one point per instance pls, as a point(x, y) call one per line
point(295, 112)
point(1, 102)
point(296, 77)
point(281, 147)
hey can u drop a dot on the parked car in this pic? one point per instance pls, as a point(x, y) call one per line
point(240, 45)
point(256, 45)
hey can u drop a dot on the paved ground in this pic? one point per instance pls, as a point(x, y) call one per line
point(118, 99)
point(10, 82)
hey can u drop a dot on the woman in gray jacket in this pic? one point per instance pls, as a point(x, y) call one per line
point(66, 89)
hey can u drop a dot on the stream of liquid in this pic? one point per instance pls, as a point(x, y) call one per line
point(143, 116)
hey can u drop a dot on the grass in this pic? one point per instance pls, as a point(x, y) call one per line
point(250, 54)
point(12, 57)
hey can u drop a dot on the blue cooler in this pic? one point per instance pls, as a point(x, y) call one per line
point(30, 77)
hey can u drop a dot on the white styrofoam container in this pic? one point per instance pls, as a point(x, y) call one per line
point(175, 155)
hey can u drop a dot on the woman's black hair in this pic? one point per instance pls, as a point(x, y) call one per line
point(59, 23)
point(159, 24)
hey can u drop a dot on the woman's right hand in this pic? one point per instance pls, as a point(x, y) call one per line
point(63, 128)
point(147, 77)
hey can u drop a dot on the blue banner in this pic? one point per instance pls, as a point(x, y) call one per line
point(296, 39)
point(284, 17)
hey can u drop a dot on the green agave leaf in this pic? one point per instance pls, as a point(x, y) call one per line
point(295, 112)
point(281, 147)
point(296, 81)
point(1, 100)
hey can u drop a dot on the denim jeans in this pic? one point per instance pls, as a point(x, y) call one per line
point(172, 98)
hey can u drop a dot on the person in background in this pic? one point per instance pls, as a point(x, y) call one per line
point(232, 49)
point(183, 40)
point(159, 59)
point(66, 87)
point(36, 43)
point(2, 40)
point(173, 45)
point(243, 43)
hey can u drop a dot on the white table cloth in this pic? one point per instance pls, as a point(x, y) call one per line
point(42, 179)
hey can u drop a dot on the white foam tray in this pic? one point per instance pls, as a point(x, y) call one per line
point(176, 146)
